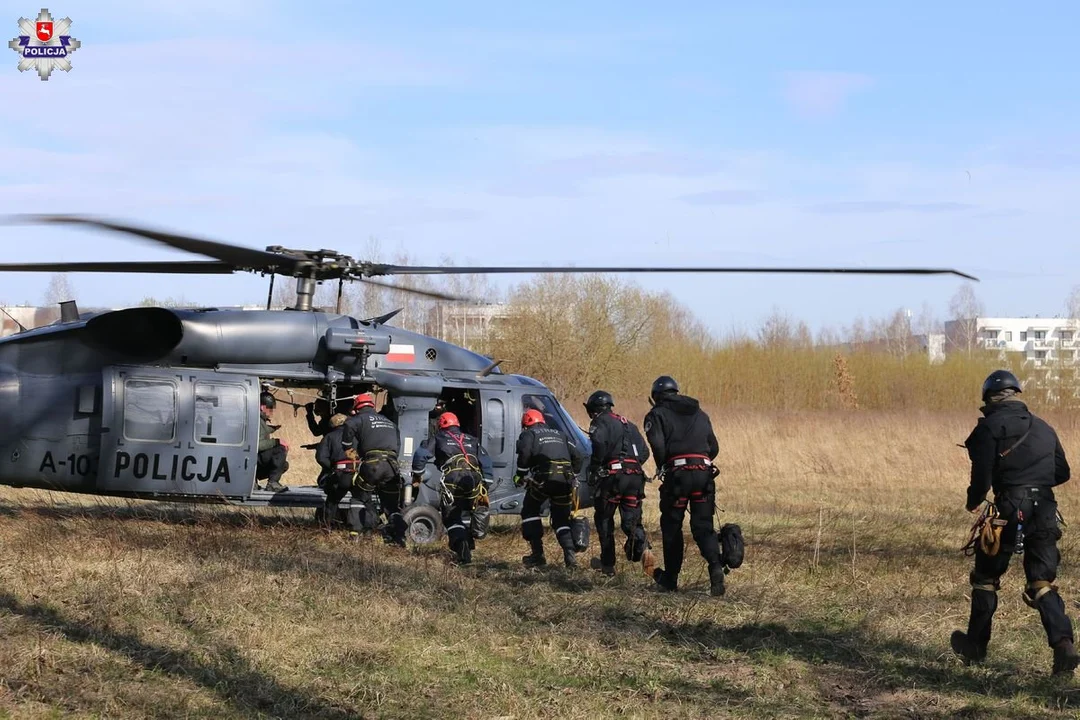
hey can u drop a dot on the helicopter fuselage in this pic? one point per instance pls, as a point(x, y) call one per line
point(163, 404)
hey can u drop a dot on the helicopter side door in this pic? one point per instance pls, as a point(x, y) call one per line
point(176, 431)
point(499, 433)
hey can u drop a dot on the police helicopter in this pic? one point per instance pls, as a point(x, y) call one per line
point(163, 404)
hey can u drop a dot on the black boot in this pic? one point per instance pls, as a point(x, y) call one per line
point(667, 584)
point(597, 564)
point(1066, 658)
point(536, 559)
point(566, 541)
point(716, 579)
point(971, 653)
point(463, 553)
point(570, 557)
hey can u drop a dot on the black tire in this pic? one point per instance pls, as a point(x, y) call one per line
point(423, 524)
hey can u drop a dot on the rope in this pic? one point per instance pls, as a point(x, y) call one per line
point(986, 532)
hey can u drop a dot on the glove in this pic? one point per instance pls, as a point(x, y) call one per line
point(518, 480)
point(351, 454)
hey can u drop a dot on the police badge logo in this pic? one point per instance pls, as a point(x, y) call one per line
point(45, 46)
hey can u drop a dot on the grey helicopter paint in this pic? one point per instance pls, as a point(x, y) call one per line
point(160, 403)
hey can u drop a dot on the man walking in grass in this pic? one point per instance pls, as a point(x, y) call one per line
point(1019, 456)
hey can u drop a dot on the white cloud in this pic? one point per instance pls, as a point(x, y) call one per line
point(821, 94)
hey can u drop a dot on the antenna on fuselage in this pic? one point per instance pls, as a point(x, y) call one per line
point(21, 327)
point(489, 369)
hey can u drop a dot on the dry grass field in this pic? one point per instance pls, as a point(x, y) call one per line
point(852, 582)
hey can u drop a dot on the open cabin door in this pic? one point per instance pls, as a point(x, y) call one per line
point(178, 432)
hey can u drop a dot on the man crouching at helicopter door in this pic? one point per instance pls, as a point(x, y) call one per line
point(371, 441)
point(336, 478)
point(552, 460)
point(464, 464)
point(273, 453)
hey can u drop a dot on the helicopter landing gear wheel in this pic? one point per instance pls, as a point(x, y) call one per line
point(424, 524)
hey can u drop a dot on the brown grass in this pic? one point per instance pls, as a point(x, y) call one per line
point(852, 582)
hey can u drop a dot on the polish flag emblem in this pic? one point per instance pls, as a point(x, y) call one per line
point(401, 354)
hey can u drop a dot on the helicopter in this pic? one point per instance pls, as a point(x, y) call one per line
point(163, 404)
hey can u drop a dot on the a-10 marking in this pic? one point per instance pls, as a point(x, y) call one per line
point(144, 465)
point(82, 465)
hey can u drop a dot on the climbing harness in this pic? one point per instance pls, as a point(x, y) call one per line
point(986, 531)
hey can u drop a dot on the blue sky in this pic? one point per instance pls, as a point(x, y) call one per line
point(705, 133)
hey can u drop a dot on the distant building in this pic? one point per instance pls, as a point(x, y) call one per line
point(1039, 342)
point(471, 326)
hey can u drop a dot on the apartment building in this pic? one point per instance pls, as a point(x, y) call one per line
point(1042, 342)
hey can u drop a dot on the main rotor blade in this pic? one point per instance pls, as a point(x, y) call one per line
point(381, 269)
point(426, 293)
point(243, 258)
point(195, 267)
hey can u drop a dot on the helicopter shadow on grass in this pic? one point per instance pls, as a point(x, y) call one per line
point(227, 674)
point(893, 664)
point(893, 549)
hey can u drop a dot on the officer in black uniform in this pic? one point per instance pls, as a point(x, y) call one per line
point(336, 478)
point(272, 460)
point(464, 465)
point(683, 447)
point(552, 460)
point(371, 441)
point(1019, 456)
point(318, 414)
point(618, 452)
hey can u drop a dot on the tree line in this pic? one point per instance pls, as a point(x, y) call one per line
point(580, 333)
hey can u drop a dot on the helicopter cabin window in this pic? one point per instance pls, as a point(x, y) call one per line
point(149, 410)
point(220, 413)
point(494, 427)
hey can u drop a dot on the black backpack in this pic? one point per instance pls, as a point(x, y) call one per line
point(731, 545)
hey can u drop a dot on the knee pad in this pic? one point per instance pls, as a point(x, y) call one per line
point(1035, 591)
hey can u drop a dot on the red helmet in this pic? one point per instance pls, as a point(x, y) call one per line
point(531, 417)
point(363, 400)
point(448, 419)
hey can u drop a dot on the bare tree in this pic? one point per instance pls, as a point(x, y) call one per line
point(1072, 306)
point(965, 309)
point(926, 322)
point(59, 290)
point(777, 331)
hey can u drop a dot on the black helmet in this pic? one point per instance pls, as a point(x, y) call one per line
point(663, 385)
point(997, 381)
point(268, 400)
point(599, 401)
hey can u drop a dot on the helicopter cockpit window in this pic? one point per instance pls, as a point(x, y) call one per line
point(220, 413)
point(149, 410)
point(555, 416)
point(548, 408)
